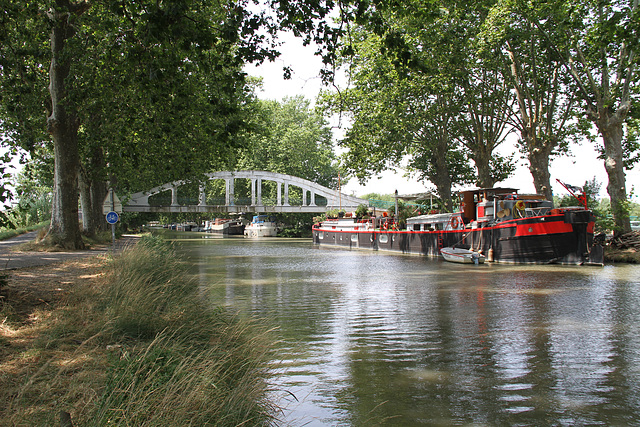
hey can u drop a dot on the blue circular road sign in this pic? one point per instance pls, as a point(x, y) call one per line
point(112, 217)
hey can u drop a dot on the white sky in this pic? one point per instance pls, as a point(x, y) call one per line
point(306, 81)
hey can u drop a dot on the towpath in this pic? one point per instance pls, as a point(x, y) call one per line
point(11, 259)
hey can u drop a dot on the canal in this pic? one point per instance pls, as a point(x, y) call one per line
point(372, 338)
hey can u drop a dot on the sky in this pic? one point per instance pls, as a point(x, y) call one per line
point(575, 170)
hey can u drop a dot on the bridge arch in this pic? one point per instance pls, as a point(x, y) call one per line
point(139, 202)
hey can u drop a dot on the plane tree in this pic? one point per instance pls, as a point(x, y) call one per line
point(545, 102)
point(484, 123)
point(104, 60)
point(597, 43)
point(436, 156)
point(174, 126)
point(289, 137)
point(396, 118)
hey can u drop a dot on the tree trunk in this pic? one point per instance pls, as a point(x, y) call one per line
point(482, 159)
point(62, 124)
point(92, 195)
point(612, 131)
point(84, 187)
point(93, 191)
point(539, 168)
point(442, 180)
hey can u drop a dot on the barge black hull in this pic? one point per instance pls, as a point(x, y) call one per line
point(562, 239)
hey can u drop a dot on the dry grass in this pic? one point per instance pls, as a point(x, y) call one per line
point(44, 357)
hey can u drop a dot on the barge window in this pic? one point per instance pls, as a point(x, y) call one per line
point(354, 237)
point(416, 227)
point(383, 238)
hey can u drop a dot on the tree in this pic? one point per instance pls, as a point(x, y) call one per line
point(545, 108)
point(176, 123)
point(396, 118)
point(5, 190)
point(484, 97)
point(484, 124)
point(33, 195)
point(597, 42)
point(437, 156)
point(419, 90)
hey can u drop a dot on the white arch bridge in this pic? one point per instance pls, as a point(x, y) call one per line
point(310, 197)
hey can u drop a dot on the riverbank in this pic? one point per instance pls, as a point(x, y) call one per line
point(625, 248)
point(125, 340)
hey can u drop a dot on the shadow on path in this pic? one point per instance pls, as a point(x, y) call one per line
point(11, 260)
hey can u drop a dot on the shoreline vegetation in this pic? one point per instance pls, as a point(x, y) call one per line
point(127, 340)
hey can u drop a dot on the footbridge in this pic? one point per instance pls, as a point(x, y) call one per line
point(263, 192)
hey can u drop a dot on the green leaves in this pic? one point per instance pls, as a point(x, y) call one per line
point(291, 138)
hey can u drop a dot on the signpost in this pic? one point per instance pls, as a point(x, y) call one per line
point(111, 207)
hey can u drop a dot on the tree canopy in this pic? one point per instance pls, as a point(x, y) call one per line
point(549, 70)
point(289, 137)
point(596, 43)
point(133, 92)
point(419, 90)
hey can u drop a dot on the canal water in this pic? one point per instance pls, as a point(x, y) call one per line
point(373, 338)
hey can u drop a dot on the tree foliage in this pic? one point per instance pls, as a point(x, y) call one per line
point(290, 137)
point(545, 103)
point(146, 92)
point(554, 56)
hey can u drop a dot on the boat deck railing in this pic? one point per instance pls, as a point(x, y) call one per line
point(531, 212)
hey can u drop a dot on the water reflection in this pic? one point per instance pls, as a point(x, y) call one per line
point(372, 338)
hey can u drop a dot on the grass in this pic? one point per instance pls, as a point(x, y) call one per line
point(137, 345)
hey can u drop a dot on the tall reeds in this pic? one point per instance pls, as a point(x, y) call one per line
point(179, 362)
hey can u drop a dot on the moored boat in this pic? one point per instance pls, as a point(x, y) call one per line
point(261, 226)
point(498, 223)
point(226, 227)
point(462, 256)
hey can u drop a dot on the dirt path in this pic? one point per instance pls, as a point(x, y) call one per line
point(32, 280)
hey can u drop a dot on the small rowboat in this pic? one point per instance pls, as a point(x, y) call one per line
point(463, 256)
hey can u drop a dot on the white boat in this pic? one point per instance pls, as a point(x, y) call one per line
point(463, 256)
point(261, 226)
